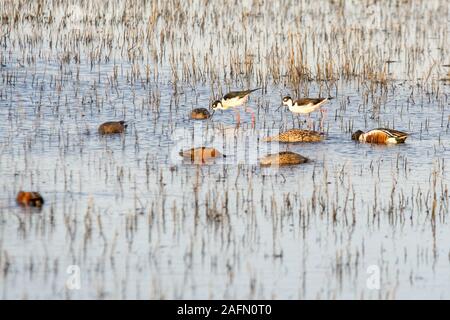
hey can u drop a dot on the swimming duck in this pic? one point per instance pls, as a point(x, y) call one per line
point(380, 136)
point(200, 114)
point(29, 199)
point(297, 135)
point(201, 154)
point(112, 127)
point(284, 158)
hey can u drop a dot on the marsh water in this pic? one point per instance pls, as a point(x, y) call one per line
point(126, 218)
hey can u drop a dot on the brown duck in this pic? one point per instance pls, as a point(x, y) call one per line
point(112, 127)
point(297, 135)
point(200, 154)
point(284, 158)
point(29, 199)
point(200, 114)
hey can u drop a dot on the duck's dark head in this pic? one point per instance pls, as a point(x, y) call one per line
point(356, 135)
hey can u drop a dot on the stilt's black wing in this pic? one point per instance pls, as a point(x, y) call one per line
point(239, 94)
point(306, 101)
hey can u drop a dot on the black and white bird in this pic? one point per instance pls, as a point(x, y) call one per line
point(234, 99)
point(305, 105)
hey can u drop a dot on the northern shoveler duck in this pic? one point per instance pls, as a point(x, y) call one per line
point(29, 199)
point(235, 99)
point(380, 136)
point(305, 106)
point(201, 154)
point(112, 127)
point(200, 114)
point(284, 158)
point(297, 135)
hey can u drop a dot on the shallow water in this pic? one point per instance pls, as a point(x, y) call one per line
point(138, 222)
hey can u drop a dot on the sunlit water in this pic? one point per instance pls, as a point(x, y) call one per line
point(139, 222)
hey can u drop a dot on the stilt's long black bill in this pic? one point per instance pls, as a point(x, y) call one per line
point(279, 107)
point(214, 111)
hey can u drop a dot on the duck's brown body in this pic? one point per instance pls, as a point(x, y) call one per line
point(29, 199)
point(285, 158)
point(200, 154)
point(297, 135)
point(112, 127)
point(200, 114)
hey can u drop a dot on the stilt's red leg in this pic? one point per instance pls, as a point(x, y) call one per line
point(248, 110)
point(238, 118)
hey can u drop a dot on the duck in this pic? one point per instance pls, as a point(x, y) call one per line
point(284, 158)
point(112, 127)
point(296, 135)
point(29, 199)
point(200, 154)
point(200, 114)
point(380, 136)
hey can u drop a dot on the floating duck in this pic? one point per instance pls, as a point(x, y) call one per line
point(200, 154)
point(284, 158)
point(297, 135)
point(380, 136)
point(112, 127)
point(200, 114)
point(29, 199)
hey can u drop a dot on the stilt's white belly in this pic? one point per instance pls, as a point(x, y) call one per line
point(234, 102)
point(307, 108)
point(304, 109)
